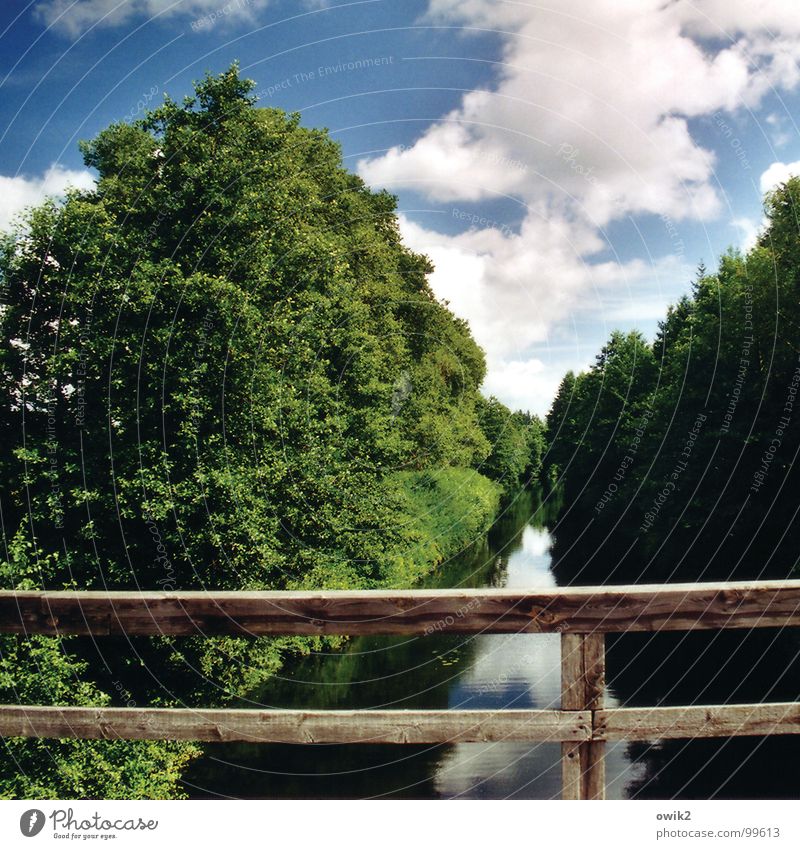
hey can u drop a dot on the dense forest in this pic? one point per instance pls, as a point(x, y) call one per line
point(676, 459)
point(223, 370)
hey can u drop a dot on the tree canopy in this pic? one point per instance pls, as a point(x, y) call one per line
point(227, 371)
point(677, 458)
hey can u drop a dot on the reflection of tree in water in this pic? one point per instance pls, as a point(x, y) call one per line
point(243, 771)
point(704, 667)
point(735, 768)
point(708, 667)
point(589, 550)
point(523, 509)
point(499, 575)
point(370, 672)
point(585, 553)
point(685, 668)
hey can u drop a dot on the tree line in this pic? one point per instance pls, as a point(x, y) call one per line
point(677, 458)
point(223, 369)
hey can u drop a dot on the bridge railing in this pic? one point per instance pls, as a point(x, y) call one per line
point(581, 615)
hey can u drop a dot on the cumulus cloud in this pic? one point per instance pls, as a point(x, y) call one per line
point(593, 103)
point(18, 193)
point(715, 18)
point(774, 176)
point(513, 288)
point(517, 382)
point(777, 173)
point(588, 123)
point(74, 17)
point(749, 230)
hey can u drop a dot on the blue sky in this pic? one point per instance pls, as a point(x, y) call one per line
point(565, 168)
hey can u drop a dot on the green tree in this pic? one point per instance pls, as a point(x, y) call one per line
point(220, 361)
point(707, 494)
point(509, 456)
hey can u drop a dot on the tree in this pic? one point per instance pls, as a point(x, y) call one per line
point(712, 409)
point(218, 360)
point(510, 454)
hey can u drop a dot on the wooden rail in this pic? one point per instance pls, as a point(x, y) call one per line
point(581, 615)
point(297, 726)
point(580, 610)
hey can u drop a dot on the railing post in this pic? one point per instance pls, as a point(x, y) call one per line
point(582, 686)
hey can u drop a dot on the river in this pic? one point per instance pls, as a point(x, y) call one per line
point(514, 671)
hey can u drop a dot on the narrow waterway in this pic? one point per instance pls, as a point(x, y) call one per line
point(502, 671)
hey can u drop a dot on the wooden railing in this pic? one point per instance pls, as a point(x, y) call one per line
point(581, 615)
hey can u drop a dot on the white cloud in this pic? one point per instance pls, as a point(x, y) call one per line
point(715, 18)
point(514, 288)
point(593, 99)
point(777, 173)
point(522, 384)
point(588, 123)
point(18, 193)
point(74, 17)
point(449, 163)
point(749, 230)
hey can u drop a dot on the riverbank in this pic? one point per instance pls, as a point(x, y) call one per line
point(439, 515)
point(442, 516)
point(446, 510)
point(507, 671)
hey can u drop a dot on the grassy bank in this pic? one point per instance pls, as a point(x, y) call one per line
point(442, 512)
point(438, 514)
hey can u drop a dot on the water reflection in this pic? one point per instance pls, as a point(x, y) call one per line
point(512, 671)
point(508, 671)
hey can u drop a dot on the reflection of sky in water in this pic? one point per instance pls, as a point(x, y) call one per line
point(490, 671)
point(516, 671)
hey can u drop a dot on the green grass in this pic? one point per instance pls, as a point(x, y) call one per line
point(439, 513)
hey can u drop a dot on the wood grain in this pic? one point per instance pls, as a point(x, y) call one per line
point(572, 687)
point(675, 607)
point(675, 723)
point(582, 688)
point(571, 771)
point(295, 726)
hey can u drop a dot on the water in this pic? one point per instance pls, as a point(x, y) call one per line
point(513, 671)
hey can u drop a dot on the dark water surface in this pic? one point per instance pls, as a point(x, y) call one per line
point(516, 671)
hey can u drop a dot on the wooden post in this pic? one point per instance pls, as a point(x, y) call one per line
point(582, 686)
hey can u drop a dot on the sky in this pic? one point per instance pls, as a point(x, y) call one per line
point(566, 165)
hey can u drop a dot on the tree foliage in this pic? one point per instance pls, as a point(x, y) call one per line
point(226, 371)
point(517, 444)
point(678, 458)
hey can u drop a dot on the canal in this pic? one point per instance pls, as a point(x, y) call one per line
point(498, 671)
